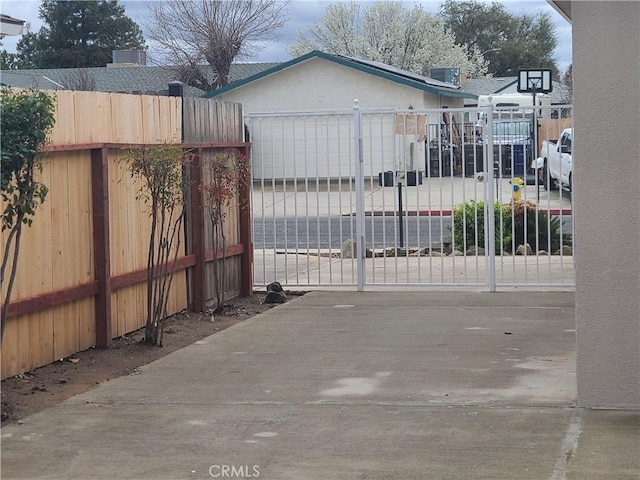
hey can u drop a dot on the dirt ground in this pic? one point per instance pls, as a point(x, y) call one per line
point(47, 386)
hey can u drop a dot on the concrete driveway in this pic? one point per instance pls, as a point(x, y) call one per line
point(344, 385)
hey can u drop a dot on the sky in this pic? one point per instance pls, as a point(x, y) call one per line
point(302, 14)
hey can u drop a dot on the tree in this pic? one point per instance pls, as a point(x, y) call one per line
point(388, 32)
point(567, 80)
point(8, 61)
point(510, 42)
point(80, 80)
point(193, 34)
point(227, 171)
point(26, 118)
point(162, 187)
point(78, 34)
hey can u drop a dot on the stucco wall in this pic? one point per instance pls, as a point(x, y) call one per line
point(606, 71)
point(321, 85)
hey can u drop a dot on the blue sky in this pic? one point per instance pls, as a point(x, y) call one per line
point(302, 14)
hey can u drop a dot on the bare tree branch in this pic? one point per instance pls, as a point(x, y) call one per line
point(192, 33)
point(80, 80)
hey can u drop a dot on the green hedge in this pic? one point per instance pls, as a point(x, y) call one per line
point(516, 224)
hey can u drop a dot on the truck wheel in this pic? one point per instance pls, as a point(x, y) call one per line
point(545, 176)
point(548, 181)
point(570, 183)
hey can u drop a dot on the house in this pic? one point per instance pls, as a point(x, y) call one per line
point(318, 83)
point(606, 93)
point(10, 26)
point(117, 77)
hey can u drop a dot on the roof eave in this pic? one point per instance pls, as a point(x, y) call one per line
point(563, 7)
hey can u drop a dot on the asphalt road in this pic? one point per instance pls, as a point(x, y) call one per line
point(324, 232)
point(331, 232)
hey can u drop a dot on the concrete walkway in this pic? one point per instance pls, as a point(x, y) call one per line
point(343, 385)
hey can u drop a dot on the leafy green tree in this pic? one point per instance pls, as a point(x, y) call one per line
point(389, 32)
point(8, 60)
point(510, 42)
point(26, 118)
point(78, 34)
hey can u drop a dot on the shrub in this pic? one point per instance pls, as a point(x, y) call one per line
point(468, 215)
point(516, 223)
point(535, 227)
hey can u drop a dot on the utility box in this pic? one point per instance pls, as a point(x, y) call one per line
point(448, 75)
point(414, 178)
point(385, 179)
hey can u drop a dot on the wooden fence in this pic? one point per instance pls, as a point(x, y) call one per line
point(551, 128)
point(82, 266)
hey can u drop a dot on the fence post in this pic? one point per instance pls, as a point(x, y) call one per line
point(489, 216)
point(101, 253)
point(360, 247)
point(196, 232)
point(244, 207)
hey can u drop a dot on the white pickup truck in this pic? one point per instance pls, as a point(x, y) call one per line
point(555, 163)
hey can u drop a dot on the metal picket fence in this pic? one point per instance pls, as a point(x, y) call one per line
point(361, 198)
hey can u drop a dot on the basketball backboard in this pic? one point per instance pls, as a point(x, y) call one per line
point(538, 81)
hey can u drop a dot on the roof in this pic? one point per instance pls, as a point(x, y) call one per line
point(496, 85)
point(563, 7)
point(380, 70)
point(149, 80)
point(488, 85)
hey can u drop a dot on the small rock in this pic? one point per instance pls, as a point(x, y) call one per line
point(473, 250)
point(63, 380)
point(543, 252)
point(396, 252)
point(275, 297)
point(350, 249)
point(457, 253)
point(274, 287)
point(524, 250)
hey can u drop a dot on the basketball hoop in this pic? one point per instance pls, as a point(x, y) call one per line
point(535, 81)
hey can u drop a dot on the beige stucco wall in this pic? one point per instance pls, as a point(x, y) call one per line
point(321, 85)
point(606, 72)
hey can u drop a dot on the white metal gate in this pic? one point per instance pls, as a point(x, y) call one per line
point(362, 197)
